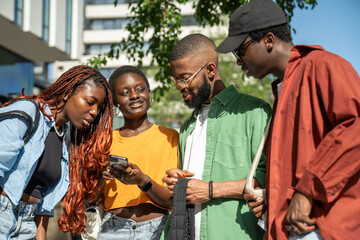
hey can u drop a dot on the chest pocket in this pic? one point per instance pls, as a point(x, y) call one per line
point(231, 150)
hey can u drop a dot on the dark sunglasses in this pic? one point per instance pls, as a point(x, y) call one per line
point(240, 51)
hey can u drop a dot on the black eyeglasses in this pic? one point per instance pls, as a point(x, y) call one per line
point(240, 51)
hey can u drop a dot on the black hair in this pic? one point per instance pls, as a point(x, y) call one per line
point(125, 70)
point(189, 45)
point(281, 31)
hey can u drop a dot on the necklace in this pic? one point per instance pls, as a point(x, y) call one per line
point(58, 133)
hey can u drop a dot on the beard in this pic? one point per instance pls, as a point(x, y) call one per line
point(202, 95)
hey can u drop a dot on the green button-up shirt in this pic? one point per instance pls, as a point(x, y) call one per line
point(235, 127)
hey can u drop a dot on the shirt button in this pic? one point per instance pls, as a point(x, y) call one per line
point(133, 227)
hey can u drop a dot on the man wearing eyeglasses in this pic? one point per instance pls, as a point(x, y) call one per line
point(313, 149)
point(217, 143)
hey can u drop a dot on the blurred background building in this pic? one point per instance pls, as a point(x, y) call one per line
point(35, 33)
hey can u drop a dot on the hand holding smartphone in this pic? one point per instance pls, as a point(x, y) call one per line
point(118, 162)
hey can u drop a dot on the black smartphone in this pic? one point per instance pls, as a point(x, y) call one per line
point(117, 161)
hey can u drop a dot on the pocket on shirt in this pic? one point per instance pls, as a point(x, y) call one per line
point(231, 150)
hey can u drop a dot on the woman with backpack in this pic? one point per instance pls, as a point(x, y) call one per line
point(36, 170)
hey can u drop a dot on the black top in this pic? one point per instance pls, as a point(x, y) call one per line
point(48, 169)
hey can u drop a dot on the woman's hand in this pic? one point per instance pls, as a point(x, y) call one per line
point(106, 175)
point(130, 176)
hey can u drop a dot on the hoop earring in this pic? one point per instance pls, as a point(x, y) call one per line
point(117, 113)
point(152, 101)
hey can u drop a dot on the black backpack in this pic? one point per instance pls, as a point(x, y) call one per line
point(24, 117)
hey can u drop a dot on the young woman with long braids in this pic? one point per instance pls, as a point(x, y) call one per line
point(36, 175)
point(136, 200)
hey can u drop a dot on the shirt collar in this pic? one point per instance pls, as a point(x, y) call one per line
point(226, 95)
point(299, 50)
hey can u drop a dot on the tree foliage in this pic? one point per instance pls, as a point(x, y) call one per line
point(158, 23)
point(154, 29)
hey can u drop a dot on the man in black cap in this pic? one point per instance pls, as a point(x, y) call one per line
point(312, 181)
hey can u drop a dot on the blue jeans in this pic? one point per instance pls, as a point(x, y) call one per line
point(16, 221)
point(114, 228)
point(314, 235)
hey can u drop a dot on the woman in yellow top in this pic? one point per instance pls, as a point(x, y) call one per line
point(136, 201)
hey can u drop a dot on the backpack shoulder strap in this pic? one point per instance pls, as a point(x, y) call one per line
point(32, 125)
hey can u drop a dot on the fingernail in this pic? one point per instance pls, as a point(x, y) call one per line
point(259, 199)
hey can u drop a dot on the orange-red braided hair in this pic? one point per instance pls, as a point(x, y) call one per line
point(88, 146)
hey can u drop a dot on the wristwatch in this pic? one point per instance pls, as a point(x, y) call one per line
point(146, 186)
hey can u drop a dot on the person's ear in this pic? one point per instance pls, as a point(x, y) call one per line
point(269, 41)
point(211, 68)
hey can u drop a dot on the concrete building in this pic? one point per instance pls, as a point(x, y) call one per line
point(35, 33)
point(105, 24)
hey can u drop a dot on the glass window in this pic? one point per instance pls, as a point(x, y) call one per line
point(95, 49)
point(98, 2)
point(46, 20)
point(118, 24)
point(108, 24)
point(16, 73)
point(19, 11)
point(96, 25)
point(68, 26)
point(188, 21)
point(102, 24)
point(124, 22)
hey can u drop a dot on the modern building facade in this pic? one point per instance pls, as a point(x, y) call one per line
point(35, 33)
point(105, 24)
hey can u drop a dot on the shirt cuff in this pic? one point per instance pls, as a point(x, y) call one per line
point(310, 185)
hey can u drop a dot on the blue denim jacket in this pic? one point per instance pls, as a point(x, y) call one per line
point(19, 160)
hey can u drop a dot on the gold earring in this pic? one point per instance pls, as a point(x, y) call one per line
point(117, 113)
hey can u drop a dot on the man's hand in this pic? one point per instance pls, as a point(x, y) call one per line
point(297, 218)
point(197, 191)
point(172, 177)
point(256, 204)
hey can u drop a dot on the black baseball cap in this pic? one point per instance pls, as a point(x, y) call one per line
point(251, 16)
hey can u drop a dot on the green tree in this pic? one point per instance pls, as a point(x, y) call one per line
point(161, 19)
